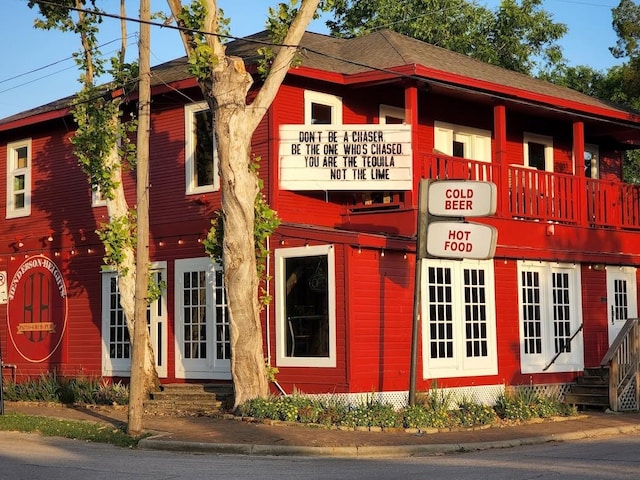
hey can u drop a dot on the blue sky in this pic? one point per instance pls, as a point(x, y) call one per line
point(37, 66)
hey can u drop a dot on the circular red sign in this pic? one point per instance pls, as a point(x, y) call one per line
point(37, 308)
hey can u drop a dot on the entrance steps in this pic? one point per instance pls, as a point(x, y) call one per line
point(190, 399)
point(591, 389)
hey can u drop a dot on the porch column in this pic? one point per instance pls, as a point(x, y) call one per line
point(411, 118)
point(500, 156)
point(578, 171)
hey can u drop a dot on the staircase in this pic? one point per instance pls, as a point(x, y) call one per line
point(190, 400)
point(591, 389)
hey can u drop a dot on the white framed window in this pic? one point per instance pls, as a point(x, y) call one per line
point(202, 341)
point(19, 179)
point(538, 152)
point(391, 115)
point(463, 142)
point(322, 108)
point(201, 156)
point(116, 347)
point(458, 318)
point(550, 315)
point(305, 306)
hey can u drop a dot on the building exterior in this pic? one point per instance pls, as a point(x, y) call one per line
point(342, 152)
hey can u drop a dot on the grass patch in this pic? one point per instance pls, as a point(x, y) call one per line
point(79, 430)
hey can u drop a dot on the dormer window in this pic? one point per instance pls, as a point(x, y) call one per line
point(322, 108)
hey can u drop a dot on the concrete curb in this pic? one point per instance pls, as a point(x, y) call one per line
point(157, 443)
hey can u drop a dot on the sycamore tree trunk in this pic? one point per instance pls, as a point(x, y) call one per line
point(239, 190)
point(235, 122)
point(118, 208)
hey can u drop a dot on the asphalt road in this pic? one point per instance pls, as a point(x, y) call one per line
point(32, 457)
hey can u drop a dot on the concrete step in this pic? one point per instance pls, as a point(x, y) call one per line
point(190, 400)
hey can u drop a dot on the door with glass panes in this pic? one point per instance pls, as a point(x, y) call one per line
point(201, 321)
point(622, 302)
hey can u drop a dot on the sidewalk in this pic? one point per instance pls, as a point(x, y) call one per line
point(234, 436)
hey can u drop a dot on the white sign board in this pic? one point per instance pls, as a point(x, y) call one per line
point(460, 198)
point(461, 240)
point(346, 157)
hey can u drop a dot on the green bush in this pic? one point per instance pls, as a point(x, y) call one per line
point(525, 403)
point(470, 414)
point(50, 387)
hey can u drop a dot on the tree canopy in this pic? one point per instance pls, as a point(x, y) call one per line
point(519, 36)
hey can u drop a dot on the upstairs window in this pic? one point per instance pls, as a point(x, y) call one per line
point(322, 108)
point(391, 115)
point(463, 142)
point(19, 179)
point(201, 158)
point(538, 152)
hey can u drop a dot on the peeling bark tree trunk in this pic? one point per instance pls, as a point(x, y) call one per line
point(239, 190)
point(235, 122)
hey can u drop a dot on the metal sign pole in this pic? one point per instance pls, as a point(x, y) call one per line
point(423, 189)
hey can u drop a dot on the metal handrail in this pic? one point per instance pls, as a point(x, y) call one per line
point(563, 349)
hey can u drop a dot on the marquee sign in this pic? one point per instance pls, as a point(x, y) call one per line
point(346, 157)
point(37, 308)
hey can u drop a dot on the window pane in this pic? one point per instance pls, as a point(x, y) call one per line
point(21, 157)
point(307, 306)
point(321, 114)
point(536, 155)
point(204, 145)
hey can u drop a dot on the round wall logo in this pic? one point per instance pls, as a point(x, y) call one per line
point(37, 308)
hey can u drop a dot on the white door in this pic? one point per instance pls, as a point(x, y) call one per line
point(157, 322)
point(115, 334)
point(201, 321)
point(622, 302)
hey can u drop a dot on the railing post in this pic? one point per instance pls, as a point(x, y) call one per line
point(613, 384)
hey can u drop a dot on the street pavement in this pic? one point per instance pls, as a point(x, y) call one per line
point(231, 435)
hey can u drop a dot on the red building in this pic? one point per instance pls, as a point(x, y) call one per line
point(342, 151)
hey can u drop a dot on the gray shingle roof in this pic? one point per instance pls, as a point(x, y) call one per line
point(380, 50)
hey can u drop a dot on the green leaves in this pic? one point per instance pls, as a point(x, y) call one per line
point(116, 235)
point(518, 36)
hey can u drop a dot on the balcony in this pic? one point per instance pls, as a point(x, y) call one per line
point(530, 194)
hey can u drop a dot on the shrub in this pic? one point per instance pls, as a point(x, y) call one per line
point(51, 388)
point(470, 414)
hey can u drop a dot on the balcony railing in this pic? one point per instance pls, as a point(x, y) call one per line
point(527, 193)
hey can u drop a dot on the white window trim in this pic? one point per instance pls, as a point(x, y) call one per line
point(11, 211)
point(390, 111)
point(217, 369)
point(281, 255)
point(327, 99)
point(122, 367)
point(572, 362)
point(189, 157)
point(460, 365)
point(548, 149)
point(480, 140)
